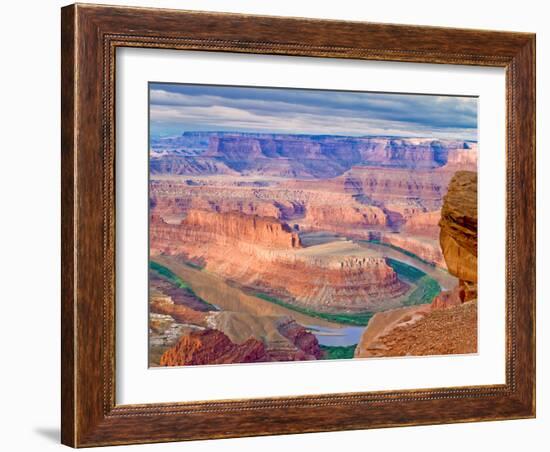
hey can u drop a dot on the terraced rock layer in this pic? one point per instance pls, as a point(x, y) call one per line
point(304, 156)
point(266, 255)
point(449, 324)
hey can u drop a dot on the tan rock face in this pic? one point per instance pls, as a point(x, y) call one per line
point(342, 217)
point(181, 313)
point(458, 236)
point(449, 324)
point(389, 185)
point(283, 337)
point(449, 298)
point(266, 255)
point(424, 224)
point(419, 331)
point(465, 159)
point(212, 347)
point(261, 231)
point(298, 156)
point(424, 248)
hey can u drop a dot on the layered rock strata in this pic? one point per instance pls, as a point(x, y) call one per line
point(266, 255)
point(212, 347)
point(425, 224)
point(283, 337)
point(458, 224)
point(420, 331)
point(427, 249)
point(318, 156)
point(449, 324)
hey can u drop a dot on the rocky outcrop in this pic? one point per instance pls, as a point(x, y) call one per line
point(425, 224)
point(317, 156)
point(345, 218)
point(425, 248)
point(449, 323)
point(231, 226)
point(400, 192)
point(163, 304)
point(266, 255)
point(420, 331)
point(303, 340)
point(458, 236)
point(283, 337)
point(212, 347)
point(449, 298)
point(201, 228)
point(173, 316)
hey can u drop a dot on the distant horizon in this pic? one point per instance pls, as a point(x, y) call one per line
point(178, 108)
point(420, 137)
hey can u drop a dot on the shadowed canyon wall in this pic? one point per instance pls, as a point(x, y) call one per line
point(449, 324)
point(266, 255)
point(317, 156)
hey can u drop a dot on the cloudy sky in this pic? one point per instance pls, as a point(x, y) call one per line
point(177, 108)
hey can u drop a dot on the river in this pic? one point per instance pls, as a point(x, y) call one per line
point(217, 291)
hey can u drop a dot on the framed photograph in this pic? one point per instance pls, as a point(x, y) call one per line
point(281, 225)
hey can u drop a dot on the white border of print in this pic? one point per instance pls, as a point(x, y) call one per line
point(136, 383)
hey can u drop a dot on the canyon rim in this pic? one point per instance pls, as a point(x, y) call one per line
point(295, 224)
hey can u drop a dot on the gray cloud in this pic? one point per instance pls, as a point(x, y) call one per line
point(175, 108)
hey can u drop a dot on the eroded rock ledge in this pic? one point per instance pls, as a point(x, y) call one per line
point(266, 255)
point(458, 236)
point(449, 324)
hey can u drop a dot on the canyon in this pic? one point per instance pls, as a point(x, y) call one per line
point(273, 247)
point(316, 156)
point(449, 324)
point(265, 255)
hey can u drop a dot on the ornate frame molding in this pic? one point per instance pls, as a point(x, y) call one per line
point(90, 37)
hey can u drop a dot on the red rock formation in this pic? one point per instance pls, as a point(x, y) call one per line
point(420, 331)
point(201, 227)
point(266, 255)
point(304, 341)
point(162, 304)
point(458, 224)
point(449, 298)
point(284, 339)
point(344, 218)
point(212, 347)
point(449, 324)
point(424, 224)
point(426, 249)
point(230, 226)
point(298, 155)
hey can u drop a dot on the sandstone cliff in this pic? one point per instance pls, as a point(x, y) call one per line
point(398, 184)
point(212, 347)
point(266, 255)
point(318, 156)
point(347, 218)
point(231, 226)
point(425, 248)
point(284, 339)
point(163, 304)
point(449, 324)
point(424, 224)
point(419, 331)
point(458, 224)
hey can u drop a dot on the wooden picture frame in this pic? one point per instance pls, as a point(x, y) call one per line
point(90, 36)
